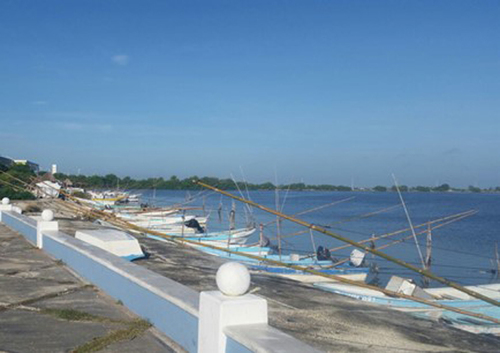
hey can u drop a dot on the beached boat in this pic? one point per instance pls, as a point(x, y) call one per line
point(446, 296)
point(107, 197)
point(237, 236)
point(144, 214)
point(165, 222)
point(134, 198)
point(353, 269)
point(345, 270)
point(252, 249)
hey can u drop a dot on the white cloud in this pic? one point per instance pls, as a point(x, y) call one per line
point(120, 59)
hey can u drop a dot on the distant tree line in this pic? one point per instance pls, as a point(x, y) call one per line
point(111, 181)
point(440, 188)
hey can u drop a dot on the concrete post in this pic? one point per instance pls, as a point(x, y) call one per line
point(227, 307)
point(5, 206)
point(46, 223)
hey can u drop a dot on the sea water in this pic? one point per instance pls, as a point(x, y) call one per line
point(463, 251)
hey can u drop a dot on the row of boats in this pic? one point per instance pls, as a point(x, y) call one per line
point(233, 245)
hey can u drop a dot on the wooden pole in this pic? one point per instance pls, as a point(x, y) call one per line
point(402, 239)
point(316, 209)
point(498, 260)
point(409, 221)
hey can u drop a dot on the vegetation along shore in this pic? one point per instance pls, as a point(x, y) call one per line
point(174, 183)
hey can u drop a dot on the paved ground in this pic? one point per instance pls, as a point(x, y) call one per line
point(45, 308)
point(326, 321)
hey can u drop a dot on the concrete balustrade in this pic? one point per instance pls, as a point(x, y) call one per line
point(46, 223)
point(227, 320)
point(227, 307)
point(5, 206)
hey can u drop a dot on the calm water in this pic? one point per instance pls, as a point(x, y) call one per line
point(463, 251)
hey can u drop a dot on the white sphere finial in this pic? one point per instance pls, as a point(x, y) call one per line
point(233, 279)
point(47, 215)
point(5, 201)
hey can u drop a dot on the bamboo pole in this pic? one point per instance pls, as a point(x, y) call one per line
point(365, 215)
point(383, 236)
point(358, 245)
point(497, 257)
point(406, 238)
point(409, 222)
point(315, 209)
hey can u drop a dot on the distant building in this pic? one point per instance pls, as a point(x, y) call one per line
point(33, 166)
point(54, 169)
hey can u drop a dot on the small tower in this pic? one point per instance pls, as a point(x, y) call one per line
point(54, 169)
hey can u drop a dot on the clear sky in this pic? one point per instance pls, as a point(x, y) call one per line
point(314, 91)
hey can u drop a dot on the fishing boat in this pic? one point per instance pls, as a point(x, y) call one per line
point(237, 236)
point(134, 198)
point(352, 269)
point(107, 197)
point(445, 295)
point(165, 222)
point(345, 271)
point(252, 249)
point(140, 213)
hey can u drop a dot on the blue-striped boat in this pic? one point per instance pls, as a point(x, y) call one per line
point(446, 296)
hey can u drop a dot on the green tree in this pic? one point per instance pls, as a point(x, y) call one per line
point(474, 189)
point(402, 188)
point(442, 188)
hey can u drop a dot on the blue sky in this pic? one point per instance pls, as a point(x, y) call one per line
point(314, 91)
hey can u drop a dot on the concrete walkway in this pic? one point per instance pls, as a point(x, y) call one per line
point(45, 308)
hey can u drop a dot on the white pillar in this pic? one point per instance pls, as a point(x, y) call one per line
point(46, 223)
point(5, 206)
point(227, 307)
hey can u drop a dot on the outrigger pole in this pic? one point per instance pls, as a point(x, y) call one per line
point(420, 271)
point(130, 226)
point(408, 237)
